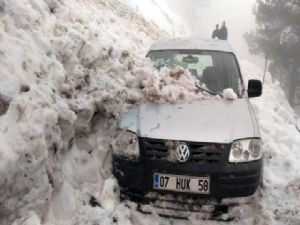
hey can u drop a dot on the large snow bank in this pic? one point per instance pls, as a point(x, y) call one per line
point(68, 70)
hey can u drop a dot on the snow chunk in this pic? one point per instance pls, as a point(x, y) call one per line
point(30, 219)
point(229, 94)
point(110, 194)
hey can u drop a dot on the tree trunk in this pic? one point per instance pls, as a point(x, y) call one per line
point(293, 86)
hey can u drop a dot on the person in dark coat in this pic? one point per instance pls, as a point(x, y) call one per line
point(223, 32)
point(215, 33)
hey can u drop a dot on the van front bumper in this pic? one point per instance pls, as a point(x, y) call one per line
point(227, 181)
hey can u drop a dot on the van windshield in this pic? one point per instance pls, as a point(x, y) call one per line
point(216, 70)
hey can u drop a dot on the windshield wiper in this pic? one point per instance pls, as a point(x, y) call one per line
point(208, 91)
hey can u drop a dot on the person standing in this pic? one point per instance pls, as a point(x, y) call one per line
point(223, 32)
point(215, 33)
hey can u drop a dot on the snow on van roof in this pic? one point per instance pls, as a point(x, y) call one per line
point(190, 43)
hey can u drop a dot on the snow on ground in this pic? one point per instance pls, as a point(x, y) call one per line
point(68, 70)
point(280, 195)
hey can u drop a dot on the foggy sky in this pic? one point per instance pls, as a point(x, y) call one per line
point(201, 16)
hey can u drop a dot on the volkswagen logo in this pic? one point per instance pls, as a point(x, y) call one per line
point(182, 153)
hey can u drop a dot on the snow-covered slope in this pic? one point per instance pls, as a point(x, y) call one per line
point(278, 201)
point(160, 13)
point(68, 70)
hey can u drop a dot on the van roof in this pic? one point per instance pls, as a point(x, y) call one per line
point(192, 43)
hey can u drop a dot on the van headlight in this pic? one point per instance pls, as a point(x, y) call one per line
point(245, 151)
point(126, 144)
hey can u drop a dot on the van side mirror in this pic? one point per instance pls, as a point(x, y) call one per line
point(254, 88)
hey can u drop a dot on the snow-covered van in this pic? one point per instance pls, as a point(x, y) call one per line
point(194, 152)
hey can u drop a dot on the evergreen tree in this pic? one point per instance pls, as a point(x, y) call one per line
point(278, 35)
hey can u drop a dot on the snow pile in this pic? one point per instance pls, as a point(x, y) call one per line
point(229, 94)
point(278, 201)
point(68, 70)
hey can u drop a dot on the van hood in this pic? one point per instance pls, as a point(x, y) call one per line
point(214, 121)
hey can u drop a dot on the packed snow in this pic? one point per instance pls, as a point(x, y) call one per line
point(229, 94)
point(69, 69)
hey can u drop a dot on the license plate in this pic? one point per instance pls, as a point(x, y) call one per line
point(177, 183)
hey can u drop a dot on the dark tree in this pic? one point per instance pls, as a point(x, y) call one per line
point(278, 35)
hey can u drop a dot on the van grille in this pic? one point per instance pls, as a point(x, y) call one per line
point(157, 149)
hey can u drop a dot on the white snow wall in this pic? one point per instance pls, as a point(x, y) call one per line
point(68, 70)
